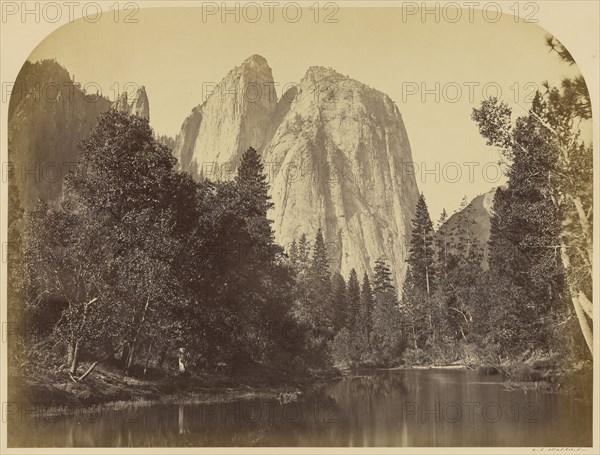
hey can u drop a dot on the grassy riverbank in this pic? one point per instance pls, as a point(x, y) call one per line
point(108, 386)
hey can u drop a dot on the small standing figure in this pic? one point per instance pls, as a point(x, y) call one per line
point(181, 360)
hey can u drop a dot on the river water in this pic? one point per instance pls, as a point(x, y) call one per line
point(397, 408)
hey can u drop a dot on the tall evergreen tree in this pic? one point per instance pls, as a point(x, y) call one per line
point(320, 285)
point(252, 182)
point(364, 322)
point(339, 302)
point(382, 282)
point(353, 300)
point(303, 251)
point(293, 254)
point(386, 334)
point(252, 187)
point(320, 263)
point(442, 245)
point(421, 258)
point(418, 307)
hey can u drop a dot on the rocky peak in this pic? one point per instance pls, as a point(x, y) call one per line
point(139, 105)
point(235, 115)
point(121, 104)
point(477, 216)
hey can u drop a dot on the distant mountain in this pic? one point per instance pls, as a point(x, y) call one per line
point(477, 214)
point(333, 148)
point(48, 114)
point(139, 104)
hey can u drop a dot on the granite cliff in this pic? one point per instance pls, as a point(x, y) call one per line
point(334, 150)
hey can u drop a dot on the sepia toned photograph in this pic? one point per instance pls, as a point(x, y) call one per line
point(344, 226)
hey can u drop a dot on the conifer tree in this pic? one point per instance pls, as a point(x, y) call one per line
point(364, 322)
point(303, 251)
point(421, 258)
point(320, 266)
point(320, 285)
point(339, 311)
point(252, 182)
point(293, 254)
point(382, 281)
point(417, 305)
point(442, 245)
point(386, 334)
point(353, 300)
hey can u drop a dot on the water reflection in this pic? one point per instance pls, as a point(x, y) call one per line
point(401, 408)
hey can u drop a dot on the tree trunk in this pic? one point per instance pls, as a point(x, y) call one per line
point(124, 355)
point(414, 335)
point(133, 344)
point(583, 324)
point(74, 359)
point(585, 226)
point(586, 305)
point(129, 360)
point(577, 297)
point(88, 371)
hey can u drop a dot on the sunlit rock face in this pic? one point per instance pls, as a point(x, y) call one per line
point(235, 116)
point(335, 151)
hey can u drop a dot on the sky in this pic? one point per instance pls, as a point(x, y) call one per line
point(435, 72)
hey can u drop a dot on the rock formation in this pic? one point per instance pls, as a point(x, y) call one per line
point(236, 115)
point(477, 215)
point(334, 150)
point(139, 105)
point(49, 114)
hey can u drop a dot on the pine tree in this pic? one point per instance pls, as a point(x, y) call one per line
point(442, 220)
point(364, 322)
point(339, 302)
point(386, 334)
point(442, 245)
point(303, 251)
point(320, 266)
point(353, 300)
point(382, 282)
point(293, 254)
point(252, 187)
point(419, 309)
point(421, 258)
point(320, 285)
point(252, 182)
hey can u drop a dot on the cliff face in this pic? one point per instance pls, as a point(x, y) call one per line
point(334, 151)
point(236, 115)
point(48, 115)
point(338, 155)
